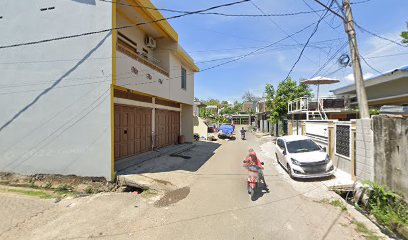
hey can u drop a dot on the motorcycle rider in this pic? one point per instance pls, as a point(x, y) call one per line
point(253, 160)
point(242, 133)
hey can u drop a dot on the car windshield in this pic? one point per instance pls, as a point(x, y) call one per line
point(306, 145)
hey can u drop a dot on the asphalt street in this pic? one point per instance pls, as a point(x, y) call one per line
point(211, 204)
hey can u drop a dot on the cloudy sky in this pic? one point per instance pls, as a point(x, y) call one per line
point(212, 40)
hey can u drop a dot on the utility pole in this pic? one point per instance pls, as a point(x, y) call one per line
point(355, 56)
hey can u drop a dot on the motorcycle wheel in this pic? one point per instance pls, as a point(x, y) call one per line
point(252, 194)
point(248, 189)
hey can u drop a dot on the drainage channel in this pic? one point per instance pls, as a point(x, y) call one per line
point(132, 189)
point(356, 199)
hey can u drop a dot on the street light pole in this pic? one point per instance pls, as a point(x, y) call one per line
point(355, 56)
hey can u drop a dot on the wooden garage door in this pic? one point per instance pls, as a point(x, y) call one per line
point(167, 127)
point(133, 130)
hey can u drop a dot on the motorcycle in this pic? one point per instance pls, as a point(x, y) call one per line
point(253, 182)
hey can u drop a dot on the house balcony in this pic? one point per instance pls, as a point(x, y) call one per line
point(303, 104)
point(146, 60)
point(318, 108)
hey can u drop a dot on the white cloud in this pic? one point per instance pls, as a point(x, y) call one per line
point(350, 77)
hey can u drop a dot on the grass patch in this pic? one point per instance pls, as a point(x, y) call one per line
point(64, 190)
point(368, 234)
point(336, 203)
point(89, 190)
point(39, 194)
point(339, 204)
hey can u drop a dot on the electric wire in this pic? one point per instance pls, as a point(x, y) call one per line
point(308, 40)
point(278, 26)
point(259, 49)
point(365, 30)
point(215, 13)
point(118, 28)
point(342, 47)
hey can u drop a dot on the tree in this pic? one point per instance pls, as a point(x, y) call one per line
point(287, 91)
point(196, 99)
point(237, 107)
point(212, 102)
point(270, 95)
point(249, 97)
point(404, 36)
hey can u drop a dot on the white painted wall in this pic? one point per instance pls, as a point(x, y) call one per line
point(186, 124)
point(318, 128)
point(66, 129)
point(171, 86)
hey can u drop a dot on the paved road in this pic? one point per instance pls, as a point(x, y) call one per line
point(213, 204)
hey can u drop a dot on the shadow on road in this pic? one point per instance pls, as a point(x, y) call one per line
point(323, 179)
point(191, 159)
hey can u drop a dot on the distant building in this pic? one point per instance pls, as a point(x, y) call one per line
point(249, 106)
point(212, 109)
point(390, 88)
point(197, 107)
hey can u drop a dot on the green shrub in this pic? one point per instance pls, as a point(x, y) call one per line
point(387, 207)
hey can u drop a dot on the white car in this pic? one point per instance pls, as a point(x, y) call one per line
point(302, 157)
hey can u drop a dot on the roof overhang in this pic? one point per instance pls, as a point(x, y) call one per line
point(147, 7)
point(186, 59)
point(381, 79)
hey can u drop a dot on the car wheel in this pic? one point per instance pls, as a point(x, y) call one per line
point(290, 171)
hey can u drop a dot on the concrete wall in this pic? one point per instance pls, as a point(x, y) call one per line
point(200, 127)
point(187, 122)
point(364, 150)
point(317, 130)
point(391, 153)
point(55, 96)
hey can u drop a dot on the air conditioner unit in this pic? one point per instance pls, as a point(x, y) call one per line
point(150, 42)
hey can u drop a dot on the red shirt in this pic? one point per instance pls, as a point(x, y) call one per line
point(249, 162)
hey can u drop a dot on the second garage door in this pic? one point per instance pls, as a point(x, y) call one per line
point(133, 127)
point(167, 127)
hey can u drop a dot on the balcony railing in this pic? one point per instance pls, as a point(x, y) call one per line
point(124, 48)
point(308, 104)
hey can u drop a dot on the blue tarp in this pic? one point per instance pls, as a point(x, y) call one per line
point(227, 129)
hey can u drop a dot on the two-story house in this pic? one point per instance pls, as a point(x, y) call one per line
point(110, 81)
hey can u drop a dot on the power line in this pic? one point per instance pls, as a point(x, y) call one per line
point(330, 59)
point(307, 42)
point(259, 49)
point(359, 2)
point(277, 25)
point(196, 51)
point(378, 36)
point(388, 55)
point(370, 66)
point(217, 13)
point(118, 28)
point(206, 69)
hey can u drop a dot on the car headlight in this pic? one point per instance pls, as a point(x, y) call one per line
point(294, 161)
point(327, 160)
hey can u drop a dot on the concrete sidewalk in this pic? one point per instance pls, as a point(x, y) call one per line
point(170, 170)
point(127, 165)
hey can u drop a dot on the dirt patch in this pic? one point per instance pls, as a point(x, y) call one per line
point(172, 197)
point(60, 183)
